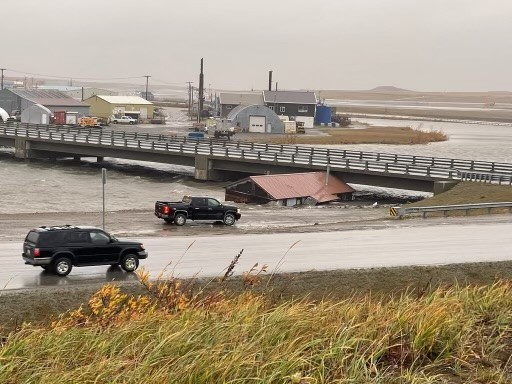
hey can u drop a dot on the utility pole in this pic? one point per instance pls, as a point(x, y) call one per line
point(2, 69)
point(189, 98)
point(201, 96)
point(147, 82)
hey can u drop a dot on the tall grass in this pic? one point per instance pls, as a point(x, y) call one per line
point(384, 135)
point(450, 335)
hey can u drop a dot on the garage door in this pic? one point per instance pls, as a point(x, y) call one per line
point(256, 123)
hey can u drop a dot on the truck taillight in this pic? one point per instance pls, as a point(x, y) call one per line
point(166, 209)
point(36, 252)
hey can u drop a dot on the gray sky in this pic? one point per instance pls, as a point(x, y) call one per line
point(428, 45)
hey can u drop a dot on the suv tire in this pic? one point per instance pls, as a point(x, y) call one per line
point(62, 266)
point(229, 219)
point(180, 219)
point(130, 262)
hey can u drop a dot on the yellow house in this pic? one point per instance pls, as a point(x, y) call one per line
point(133, 106)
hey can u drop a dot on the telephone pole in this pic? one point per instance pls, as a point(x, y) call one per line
point(147, 83)
point(2, 69)
point(189, 97)
point(201, 94)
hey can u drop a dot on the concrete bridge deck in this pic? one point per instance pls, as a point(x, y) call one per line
point(220, 159)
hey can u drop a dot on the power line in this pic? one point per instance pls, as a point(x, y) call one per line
point(168, 83)
point(74, 77)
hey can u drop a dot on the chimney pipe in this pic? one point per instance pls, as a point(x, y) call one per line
point(269, 80)
point(327, 171)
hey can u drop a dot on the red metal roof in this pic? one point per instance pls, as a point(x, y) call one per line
point(289, 186)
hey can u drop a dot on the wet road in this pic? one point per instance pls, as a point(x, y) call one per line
point(209, 256)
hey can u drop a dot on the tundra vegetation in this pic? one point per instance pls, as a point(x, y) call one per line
point(374, 135)
point(174, 333)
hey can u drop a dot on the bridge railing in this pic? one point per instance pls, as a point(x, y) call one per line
point(460, 164)
point(344, 159)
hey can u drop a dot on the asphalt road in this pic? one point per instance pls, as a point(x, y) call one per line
point(210, 255)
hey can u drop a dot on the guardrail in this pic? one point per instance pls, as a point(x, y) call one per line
point(402, 211)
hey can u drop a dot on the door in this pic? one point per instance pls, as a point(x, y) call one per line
point(103, 250)
point(257, 124)
point(79, 242)
point(215, 210)
point(199, 208)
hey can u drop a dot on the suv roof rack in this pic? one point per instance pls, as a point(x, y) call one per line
point(58, 227)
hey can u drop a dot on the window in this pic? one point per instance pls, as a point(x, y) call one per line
point(282, 109)
point(213, 203)
point(99, 238)
point(303, 108)
point(271, 107)
point(77, 237)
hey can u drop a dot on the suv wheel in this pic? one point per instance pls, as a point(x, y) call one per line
point(130, 263)
point(180, 219)
point(229, 219)
point(62, 266)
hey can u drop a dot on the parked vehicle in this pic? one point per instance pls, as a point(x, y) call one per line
point(196, 208)
point(196, 135)
point(89, 122)
point(123, 120)
point(58, 249)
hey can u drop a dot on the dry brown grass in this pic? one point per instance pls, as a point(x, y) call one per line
point(381, 135)
point(469, 193)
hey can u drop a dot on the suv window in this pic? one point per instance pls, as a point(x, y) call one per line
point(32, 237)
point(99, 238)
point(77, 237)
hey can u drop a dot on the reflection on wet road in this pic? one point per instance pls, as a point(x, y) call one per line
point(208, 256)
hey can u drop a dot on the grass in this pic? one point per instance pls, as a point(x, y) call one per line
point(384, 135)
point(171, 335)
point(469, 193)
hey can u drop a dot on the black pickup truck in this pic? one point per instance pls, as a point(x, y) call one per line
point(196, 208)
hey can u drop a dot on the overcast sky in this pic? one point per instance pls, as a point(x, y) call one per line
point(425, 45)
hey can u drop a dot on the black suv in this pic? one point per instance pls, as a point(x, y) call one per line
point(57, 249)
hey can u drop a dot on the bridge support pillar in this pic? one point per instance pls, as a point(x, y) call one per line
point(21, 148)
point(443, 186)
point(204, 170)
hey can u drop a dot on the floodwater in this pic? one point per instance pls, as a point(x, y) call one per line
point(484, 142)
point(42, 187)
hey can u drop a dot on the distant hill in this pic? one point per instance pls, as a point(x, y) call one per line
point(390, 89)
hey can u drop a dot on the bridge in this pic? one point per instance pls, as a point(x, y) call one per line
point(226, 160)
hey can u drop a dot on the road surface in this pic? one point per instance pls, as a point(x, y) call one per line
point(210, 255)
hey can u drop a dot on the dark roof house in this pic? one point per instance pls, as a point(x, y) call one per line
point(289, 189)
point(229, 101)
point(21, 99)
point(297, 105)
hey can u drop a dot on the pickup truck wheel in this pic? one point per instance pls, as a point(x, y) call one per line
point(62, 266)
point(130, 263)
point(229, 219)
point(180, 219)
